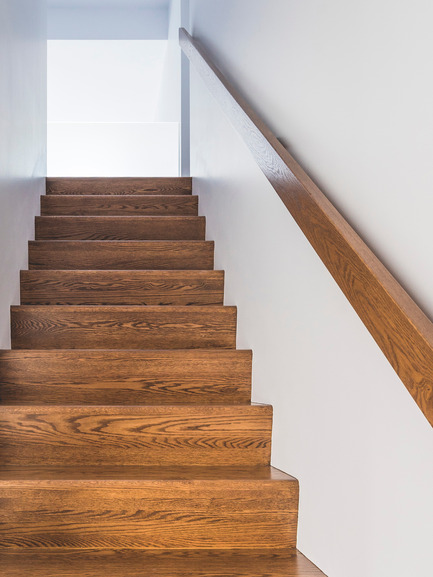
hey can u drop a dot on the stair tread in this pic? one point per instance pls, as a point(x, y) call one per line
point(84, 274)
point(47, 352)
point(119, 218)
point(71, 198)
point(127, 474)
point(115, 308)
point(186, 563)
point(126, 242)
point(153, 409)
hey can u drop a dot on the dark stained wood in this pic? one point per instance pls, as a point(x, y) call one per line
point(116, 186)
point(120, 228)
point(122, 327)
point(399, 326)
point(128, 563)
point(39, 287)
point(116, 377)
point(121, 255)
point(200, 435)
point(98, 205)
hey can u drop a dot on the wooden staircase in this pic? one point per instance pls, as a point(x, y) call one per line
point(128, 442)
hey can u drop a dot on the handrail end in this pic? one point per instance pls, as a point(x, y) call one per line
point(183, 34)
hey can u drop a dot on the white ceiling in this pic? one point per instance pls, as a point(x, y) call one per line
point(109, 3)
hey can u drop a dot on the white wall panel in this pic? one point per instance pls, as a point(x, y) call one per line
point(113, 149)
point(22, 140)
point(104, 80)
point(107, 22)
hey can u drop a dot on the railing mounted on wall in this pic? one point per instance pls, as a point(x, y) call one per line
point(398, 325)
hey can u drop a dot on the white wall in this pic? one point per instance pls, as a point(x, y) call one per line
point(102, 104)
point(347, 87)
point(174, 95)
point(169, 103)
point(107, 23)
point(104, 80)
point(113, 149)
point(22, 140)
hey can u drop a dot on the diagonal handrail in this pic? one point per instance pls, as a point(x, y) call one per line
point(398, 325)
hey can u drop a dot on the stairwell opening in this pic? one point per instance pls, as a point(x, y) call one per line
point(112, 107)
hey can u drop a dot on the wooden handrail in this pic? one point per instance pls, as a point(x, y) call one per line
point(398, 325)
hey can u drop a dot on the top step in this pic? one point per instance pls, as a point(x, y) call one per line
point(129, 186)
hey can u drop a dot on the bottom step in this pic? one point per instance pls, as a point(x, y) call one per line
point(156, 564)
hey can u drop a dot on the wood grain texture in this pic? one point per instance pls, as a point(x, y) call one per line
point(398, 325)
point(151, 515)
point(134, 446)
point(120, 228)
point(116, 186)
point(122, 287)
point(122, 563)
point(123, 205)
point(122, 327)
point(118, 255)
point(115, 377)
point(201, 435)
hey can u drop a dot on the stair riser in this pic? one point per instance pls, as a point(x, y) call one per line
point(116, 186)
point(125, 377)
point(145, 436)
point(152, 255)
point(152, 515)
point(119, 206)
point(120, 228)
point(122, 288)
point(123, 327)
